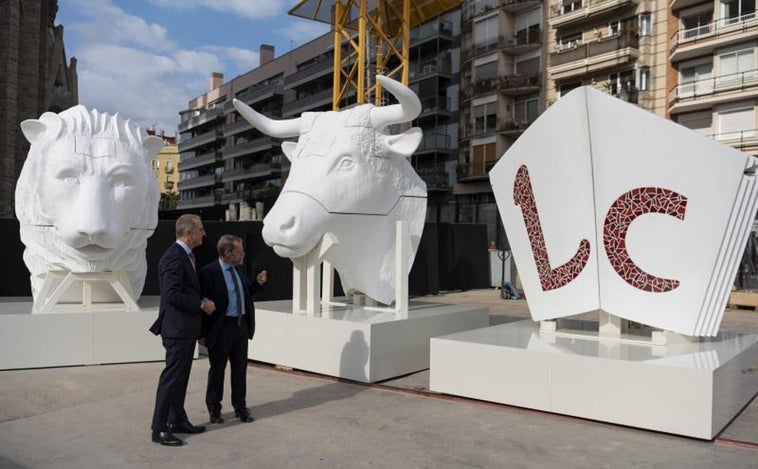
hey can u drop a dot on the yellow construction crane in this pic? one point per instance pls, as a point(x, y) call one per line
point(370, 33)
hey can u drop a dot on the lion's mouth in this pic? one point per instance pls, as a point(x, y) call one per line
point(93, 250)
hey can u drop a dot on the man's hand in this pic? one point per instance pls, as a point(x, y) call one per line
point(208, 306)
point(262, 277)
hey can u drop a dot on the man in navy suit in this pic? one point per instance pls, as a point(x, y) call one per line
point(228, 330)
point(179, 324)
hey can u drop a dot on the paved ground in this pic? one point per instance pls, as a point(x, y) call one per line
point(99, 417)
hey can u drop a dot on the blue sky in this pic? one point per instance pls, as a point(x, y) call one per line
point(147, 58)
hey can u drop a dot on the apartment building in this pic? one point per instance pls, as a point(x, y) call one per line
point(224, 161)
point(165, 165)
point(713, 84)
point(502, 92)
point(617, 46)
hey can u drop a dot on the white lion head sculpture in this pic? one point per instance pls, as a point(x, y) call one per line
point(87, 199)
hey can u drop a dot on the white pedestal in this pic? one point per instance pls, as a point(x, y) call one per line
point(76, 338)
point(355, 342)
point(691, 389)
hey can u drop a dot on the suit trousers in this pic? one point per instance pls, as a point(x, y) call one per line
point(230, 345)
point(172, 384)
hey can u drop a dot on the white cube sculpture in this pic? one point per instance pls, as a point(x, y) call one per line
point(610, 207)
point(87, 201)
point(349, 183)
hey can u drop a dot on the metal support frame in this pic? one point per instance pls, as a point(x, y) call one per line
point(58, 283)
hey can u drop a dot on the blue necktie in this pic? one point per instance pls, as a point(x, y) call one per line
point(237, 293)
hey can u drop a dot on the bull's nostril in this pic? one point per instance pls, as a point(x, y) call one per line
point(288, 225)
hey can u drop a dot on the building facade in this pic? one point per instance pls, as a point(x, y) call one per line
point(166, 163)
point(713, 81)
point(34, 78)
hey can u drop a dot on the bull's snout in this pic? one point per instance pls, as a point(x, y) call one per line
point(294, 225)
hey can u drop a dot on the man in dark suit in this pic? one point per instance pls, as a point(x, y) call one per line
point(228, 329)
point(179, 324)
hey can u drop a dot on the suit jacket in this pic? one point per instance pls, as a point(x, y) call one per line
point(213, 287)
point(179, 315)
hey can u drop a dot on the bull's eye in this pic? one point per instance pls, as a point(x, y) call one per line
point(345, 163)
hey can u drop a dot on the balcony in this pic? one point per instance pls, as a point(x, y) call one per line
point(200, 181)
point(428, 68)
point(203, 118)
point(703, 94)
point(252, 146)
point(739, 139)
point(258, 93)
point(705, 39)
point(435, 178)
point(434, 143)
point(307, 103)
point(309, 72)
point(435, 105)
point(197, 202)
point(432, 30)
point(236, 127)
point(518, 84)
point(565, 13)
point(198, 140)
point(588, 58)
point(199, 160)
point(514, 128)
point(523, 41)
point(254, 171)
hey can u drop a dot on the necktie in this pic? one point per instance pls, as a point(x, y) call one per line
point(237, 293)
point(192, 259)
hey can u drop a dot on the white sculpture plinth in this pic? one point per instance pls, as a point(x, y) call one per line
point(77, 338)
point(692, 389)
point(58, 283)
point(356, 343)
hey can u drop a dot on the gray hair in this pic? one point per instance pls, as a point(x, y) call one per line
point(186, 223)
point(226, 243)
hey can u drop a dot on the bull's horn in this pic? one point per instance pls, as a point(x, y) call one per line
point(406, 111)
point(274, 128)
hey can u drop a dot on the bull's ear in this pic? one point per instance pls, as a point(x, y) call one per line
point(405, 143)
point(32, 129)
point(153, 145)
point(288, 148)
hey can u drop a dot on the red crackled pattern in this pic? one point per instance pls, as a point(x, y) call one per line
point(551, 279)
point(622, 213)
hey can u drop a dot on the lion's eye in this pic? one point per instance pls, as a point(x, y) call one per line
point(71, 180)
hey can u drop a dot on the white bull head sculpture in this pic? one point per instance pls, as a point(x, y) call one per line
point(352, 179)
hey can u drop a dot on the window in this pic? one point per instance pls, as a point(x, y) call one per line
point(486, 71)
point(695, 80)
point(156, 165)
point(567, 6)
point(485, 117)
point(736, 123)
point(482, 158)
point(570, 40)
point(645, 24)
point(564, 89)
point(643, 79)
point(614, 28)
point(734, 11)
point(696, 25)
point(736, 65)
point(526, 109)
point(620, 83)
point(486, 30)
point(700, 122)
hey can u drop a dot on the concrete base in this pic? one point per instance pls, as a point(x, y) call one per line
point(74, 338)
point(692, 389)
point(355, 342)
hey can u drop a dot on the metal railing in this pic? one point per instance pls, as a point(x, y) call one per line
point(715, 29)
point(198, 160)
point(431, 29)
point(324, 63)
point(252, 94)
point(204, 137)
point(307, 101)
point(231, 151)
point(603, 46)
point(737, 138)
point(732, 82)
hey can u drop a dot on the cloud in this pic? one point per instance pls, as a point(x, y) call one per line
point(244, 59)
point(105, 21)
point(253, 9)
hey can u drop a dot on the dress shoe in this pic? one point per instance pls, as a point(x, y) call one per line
point(244, 415)
point(166, 439)
point(216, 417)
point(185, 427)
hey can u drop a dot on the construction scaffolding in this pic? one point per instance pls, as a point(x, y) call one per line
point(370, 37)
